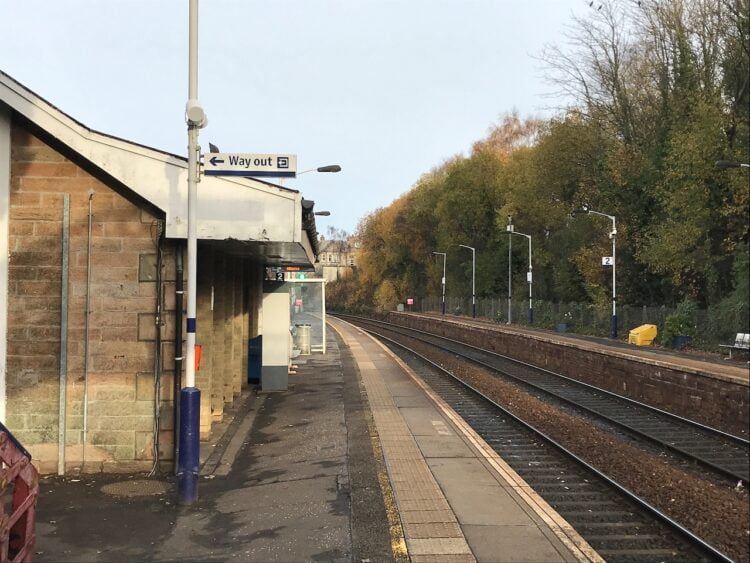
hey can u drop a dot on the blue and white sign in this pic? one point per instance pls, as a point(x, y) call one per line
point(607, 261)
point(250, 164)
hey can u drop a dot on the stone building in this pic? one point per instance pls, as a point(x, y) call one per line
point(336, 259)
point(92, 229)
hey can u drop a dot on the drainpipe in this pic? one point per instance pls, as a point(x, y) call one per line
point(63, 336)
point(179, 293)
point(87, 314)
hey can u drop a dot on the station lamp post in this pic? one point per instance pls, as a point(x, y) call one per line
point(473, 279)
point(511, 231)
point(612, 261)
point(443, 254)
point(330, 168)
point(724, 164)
point(189, 430)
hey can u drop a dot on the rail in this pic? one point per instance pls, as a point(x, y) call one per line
point(692, 538)
point(18, 478)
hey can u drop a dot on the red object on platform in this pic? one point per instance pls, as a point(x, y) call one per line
point(198, 351)
point(17, 528)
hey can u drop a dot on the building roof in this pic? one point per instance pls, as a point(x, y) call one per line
point(243, 210)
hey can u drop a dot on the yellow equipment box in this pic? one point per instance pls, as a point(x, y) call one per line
point(644, 335)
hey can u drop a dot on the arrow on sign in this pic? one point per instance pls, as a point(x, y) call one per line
point(214, 161)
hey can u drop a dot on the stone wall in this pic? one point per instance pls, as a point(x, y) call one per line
point(711, 400)
point(122, 320)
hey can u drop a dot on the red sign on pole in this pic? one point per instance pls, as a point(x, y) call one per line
point(410, 301)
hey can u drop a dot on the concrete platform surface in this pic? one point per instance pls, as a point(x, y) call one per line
point(456, 499)
point(295, 478)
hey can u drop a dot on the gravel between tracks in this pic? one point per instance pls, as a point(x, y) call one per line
point(718, 514)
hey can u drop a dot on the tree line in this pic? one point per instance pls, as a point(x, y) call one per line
point(660, 93)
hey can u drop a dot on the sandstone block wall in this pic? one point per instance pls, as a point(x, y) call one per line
point(122, 321)
point(713, 401)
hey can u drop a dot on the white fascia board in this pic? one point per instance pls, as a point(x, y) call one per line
point(227, 207)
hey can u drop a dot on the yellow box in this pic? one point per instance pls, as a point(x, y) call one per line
point(644, 335)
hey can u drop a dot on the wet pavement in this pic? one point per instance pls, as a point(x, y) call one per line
point(299, 482)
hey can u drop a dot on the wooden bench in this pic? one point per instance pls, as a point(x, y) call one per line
point(741, 343)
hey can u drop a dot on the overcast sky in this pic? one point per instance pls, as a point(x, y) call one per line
point(388, 89)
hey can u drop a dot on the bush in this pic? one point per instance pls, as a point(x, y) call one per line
point(680, 323)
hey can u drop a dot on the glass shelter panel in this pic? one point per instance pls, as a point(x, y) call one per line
point(307, 306)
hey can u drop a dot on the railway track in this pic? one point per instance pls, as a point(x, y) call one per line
point(722, 453)
point(618, 524)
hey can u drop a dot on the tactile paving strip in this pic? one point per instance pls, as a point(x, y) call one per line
point(430, 527)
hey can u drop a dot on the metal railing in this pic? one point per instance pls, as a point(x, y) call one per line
point(709, 327)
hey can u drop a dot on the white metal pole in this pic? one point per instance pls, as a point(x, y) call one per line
point(531, 282)
point(323, 299)
point(189, 404)
point(510, 279)
point(192, 240)
point(473, 283)
point(614, 279)
point(444, 256)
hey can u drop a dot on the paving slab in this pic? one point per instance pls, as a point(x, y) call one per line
point(456, 499)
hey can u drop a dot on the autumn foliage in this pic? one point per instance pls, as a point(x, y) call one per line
point(660, 92)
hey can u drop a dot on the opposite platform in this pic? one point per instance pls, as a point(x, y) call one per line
point(457, 500)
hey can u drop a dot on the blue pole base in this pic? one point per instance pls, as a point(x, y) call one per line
point(189, 458)
point(473, 311)
point(531, 316)
point(613, 332)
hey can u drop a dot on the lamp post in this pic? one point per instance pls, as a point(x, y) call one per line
point(473, 279)
point(189, 431)
point(443, 254)
point(613, 236)
point(330, 168)
point(529, 279)
point(509, 229)
point(724, 164)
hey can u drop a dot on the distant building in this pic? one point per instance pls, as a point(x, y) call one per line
point(336, 259)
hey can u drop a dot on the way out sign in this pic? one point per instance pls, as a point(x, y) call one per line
point(250, 164)
point(607, 261)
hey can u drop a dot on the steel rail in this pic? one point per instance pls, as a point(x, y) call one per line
point(694, 539)
point(733, 437)
point(727, 472)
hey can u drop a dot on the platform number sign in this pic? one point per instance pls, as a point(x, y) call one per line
point(607, 261)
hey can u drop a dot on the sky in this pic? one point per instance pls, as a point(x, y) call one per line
point(388, 89)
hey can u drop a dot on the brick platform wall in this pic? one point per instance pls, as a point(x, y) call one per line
point(121, 329)
point(713, 401)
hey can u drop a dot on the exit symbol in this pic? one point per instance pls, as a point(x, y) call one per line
point(282, 162)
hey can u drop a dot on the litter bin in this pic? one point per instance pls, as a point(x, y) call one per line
point(254, 359)
point(643, 335)
point(303, 338)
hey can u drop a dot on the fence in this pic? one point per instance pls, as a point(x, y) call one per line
point(710, 327)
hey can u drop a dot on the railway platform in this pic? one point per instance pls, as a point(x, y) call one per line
point(712, 391)
point(357, 461)
point(457, 500)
